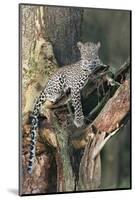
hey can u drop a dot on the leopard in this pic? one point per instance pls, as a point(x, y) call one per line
point(71, 78)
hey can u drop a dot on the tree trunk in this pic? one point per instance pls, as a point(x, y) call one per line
point(44, 29)
point(62, 28)
point(48, 40)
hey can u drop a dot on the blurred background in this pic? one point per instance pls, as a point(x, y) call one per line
point(63, 27)
point(112, 29)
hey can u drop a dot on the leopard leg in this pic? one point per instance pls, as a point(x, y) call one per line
point(76, 102)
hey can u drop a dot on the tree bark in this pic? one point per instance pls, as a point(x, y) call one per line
point(45, 30)
point(49, 36)
point(106, 124)
point(62, 28)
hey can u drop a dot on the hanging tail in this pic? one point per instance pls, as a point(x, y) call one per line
point(40, 101)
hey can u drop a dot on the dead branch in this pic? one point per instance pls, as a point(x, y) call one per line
point(106, 124)
point(55, 132)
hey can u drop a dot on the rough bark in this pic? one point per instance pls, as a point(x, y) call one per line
point(90, 167)
point(27, 24)
point(38, 62)
point(62, 28)
point(45, 28)
point(106, 124)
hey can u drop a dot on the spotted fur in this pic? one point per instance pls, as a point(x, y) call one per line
point(69, 78)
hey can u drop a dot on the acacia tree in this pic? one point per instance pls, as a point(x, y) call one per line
point(68, 158)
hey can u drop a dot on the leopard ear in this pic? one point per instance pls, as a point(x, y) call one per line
point(98, 45)
point(79, 45)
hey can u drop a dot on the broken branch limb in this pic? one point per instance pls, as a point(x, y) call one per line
point(99, 146)
point(107, 123)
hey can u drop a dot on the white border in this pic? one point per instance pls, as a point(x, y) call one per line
point(9, 97)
